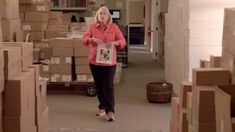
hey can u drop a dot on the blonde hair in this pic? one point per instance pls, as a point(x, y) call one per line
point(106, 10)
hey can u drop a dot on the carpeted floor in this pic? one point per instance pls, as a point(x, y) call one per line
point(76, 113)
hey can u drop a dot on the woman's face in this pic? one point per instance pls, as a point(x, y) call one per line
point(103, 17)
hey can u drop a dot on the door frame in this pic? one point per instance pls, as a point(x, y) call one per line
point(146, 25)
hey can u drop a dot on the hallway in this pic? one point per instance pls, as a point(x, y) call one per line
point(76, 113)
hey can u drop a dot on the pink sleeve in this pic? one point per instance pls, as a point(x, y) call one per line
point(86, 36)
point(120, 38)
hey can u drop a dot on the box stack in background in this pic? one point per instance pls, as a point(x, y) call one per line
point(42, 51)
point(66, 18)
point(9, 10)
point(215, 61)
point(61, 59)
point(55, 30)
point(56, 18)
point(204, 64)
point(82, 69)
point(35, 20)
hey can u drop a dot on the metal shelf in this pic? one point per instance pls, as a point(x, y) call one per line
point(69, 8)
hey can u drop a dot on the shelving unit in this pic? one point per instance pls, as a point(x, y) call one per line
point(68, 8)
point(69, 5)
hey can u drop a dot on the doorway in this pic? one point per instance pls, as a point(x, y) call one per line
point(142, 18)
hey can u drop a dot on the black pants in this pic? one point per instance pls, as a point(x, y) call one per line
point(103, 78)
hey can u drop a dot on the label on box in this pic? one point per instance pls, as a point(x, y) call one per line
point(45, 68)
point(66, 78)
point(41, 8)
point(41, 45)
point(55, 60)
point(82, 78)
point(54, 77)
point(26, 27)
point(68, 60)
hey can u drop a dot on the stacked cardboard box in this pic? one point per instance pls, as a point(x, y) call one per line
point(35, 17)
point(25, 107)
point(185, 88)
point(2, 82)
point(26, 52)
point(82, 69)
point(174, 122)
point(41, 112)
point(42, 50)
point(66, 18)
point(19, 103)
point(45, 71)
point(56, 18)
point(204, 64)
point(61, 60)
point(203, 96)
point(10, 19)
point(197, 110)
point(55, 29)
point(19, 94)
point(215, 61)
point(228, 52)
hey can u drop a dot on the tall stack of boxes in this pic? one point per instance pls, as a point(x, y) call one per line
point(56, 19)
point(61, 60)
point(66, 18)
point(203, 96)
point(185, 88)
point(82, 70)
point(210, 105)
point(197, 110)
point(174, 122)
point(9, 10)
point(25, 107)
point(17, 94)
point(2, 82)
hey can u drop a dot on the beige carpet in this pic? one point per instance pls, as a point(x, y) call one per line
point(76, 113)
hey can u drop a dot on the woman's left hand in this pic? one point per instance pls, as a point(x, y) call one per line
point(114, 43)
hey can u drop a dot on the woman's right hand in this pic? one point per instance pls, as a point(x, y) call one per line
point(95, 40)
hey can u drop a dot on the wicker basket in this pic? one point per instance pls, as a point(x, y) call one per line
point(159, 92)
